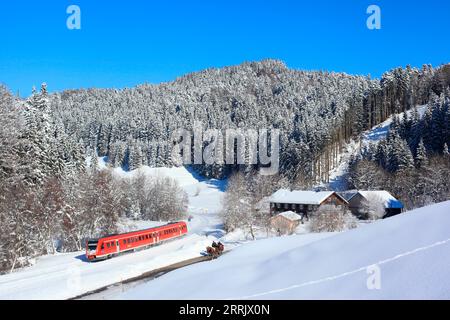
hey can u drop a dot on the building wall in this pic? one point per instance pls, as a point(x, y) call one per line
point(301, 209)
point(355, 204)
point(356, 207)
point(285, 226)
point(305, 209)
point(390, 212)
point(334, 199)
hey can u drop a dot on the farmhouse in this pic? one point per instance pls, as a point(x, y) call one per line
point(303, 202)
point(285, 222)
point(360, 202)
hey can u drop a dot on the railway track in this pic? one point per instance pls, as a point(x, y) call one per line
point(147, 276)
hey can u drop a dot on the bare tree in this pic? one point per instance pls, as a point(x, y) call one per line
point(331, 218)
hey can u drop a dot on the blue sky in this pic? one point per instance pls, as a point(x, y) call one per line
point(125, 43)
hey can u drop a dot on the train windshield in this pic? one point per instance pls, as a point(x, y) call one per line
point(92, 245)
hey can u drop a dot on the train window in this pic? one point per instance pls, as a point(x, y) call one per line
point(108, 245)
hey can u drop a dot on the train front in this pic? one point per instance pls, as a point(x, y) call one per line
point(91, 249)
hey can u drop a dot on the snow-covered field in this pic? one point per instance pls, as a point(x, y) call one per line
point(403, 257)
point(68, 275)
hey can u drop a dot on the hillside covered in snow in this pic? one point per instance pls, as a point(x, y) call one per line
point(404, 257)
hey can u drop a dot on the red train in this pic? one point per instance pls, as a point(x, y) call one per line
point(109, 246)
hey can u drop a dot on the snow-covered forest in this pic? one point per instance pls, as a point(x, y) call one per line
point(315, 111)
point(50, 194)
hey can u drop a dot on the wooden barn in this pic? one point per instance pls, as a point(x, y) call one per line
point(285, 222)
point(303, 203)
point(358, 201)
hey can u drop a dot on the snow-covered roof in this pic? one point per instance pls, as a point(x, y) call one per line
point(389, 201)
point(347, 195)
point(300, 197)
point(290, 215)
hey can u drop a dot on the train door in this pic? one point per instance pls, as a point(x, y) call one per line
point(117, 246)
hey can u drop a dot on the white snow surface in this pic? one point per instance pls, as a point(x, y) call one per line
point(300, 197)
point(411, 251)
point(290, 215)
point(68, 275)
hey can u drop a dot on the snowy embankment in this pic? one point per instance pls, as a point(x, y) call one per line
point(373, 136)
point(410, 254)
point(63, 276)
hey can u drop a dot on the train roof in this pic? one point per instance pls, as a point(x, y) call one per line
point(131, 233)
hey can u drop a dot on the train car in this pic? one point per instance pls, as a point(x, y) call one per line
point(109, 246)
